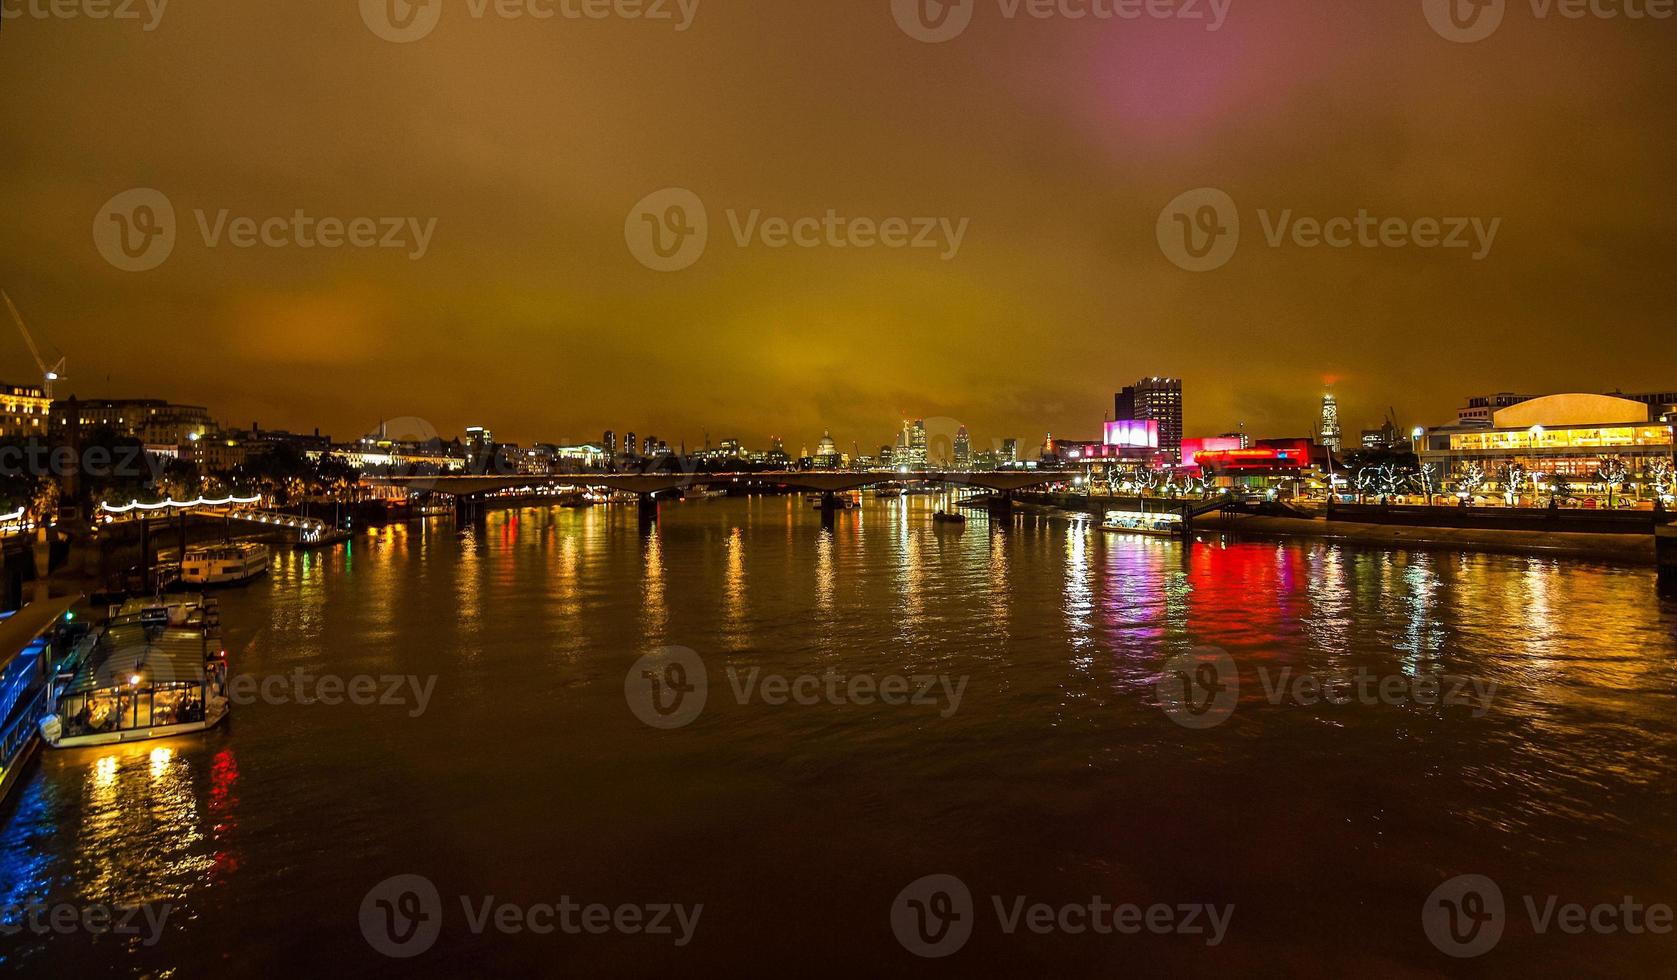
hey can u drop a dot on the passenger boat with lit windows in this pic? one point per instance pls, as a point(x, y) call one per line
point(224, 564)
point(156, 669)
point(1152, 525)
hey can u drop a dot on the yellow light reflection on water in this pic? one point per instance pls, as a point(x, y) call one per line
point(734, 594)
point(655, 605)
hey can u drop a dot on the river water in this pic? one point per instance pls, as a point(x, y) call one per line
point(1040, 762)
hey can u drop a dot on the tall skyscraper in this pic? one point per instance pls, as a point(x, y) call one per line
point(1123, 405)
point(1158, 400)
point(1010, 450)
point(480, 447)
point(911, 444)
point(609, 443)
point(963, 449)
point(1331, 435)
point(629, 444)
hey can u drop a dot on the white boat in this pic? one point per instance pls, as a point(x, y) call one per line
point(153, 671)
point(702, 492)
point(224, 564)
point(1149, 526)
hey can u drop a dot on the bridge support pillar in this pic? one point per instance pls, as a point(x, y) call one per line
point(1001, 506)
point(648, 508)
point(1665, 549)
point(467, 509)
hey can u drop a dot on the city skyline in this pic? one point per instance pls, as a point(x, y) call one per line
point(1059, 288)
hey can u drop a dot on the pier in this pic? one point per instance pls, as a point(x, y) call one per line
point(27, 660)
point(1665, 552)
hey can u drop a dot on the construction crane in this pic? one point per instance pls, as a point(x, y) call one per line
point(48, 374)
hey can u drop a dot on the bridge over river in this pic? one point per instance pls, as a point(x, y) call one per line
point(470, 491)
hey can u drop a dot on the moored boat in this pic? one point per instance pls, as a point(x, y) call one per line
point(156, 669)
point(224, 564)
point(1151, 526)
point(949, 517)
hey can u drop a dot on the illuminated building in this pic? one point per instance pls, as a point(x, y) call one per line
point(629, 444)
point(609, 441)
point(963, 449)
point(1010, 451)
point(1480, 407)
point(1385, 437)
point(1266, 464)
point(24, 410)
point(911, 445)
point(1558, 435)
point(1158, 400)
point(826, 453)
point(1660, 403)
point(1193, 448)
point(1330, 434)
point(480, 446)
point(151, 420)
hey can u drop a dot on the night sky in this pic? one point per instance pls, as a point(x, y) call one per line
point(1058, 142)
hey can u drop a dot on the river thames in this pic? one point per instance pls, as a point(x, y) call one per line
point(885, 701)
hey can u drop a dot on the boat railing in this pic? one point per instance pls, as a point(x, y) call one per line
point(21, 729)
